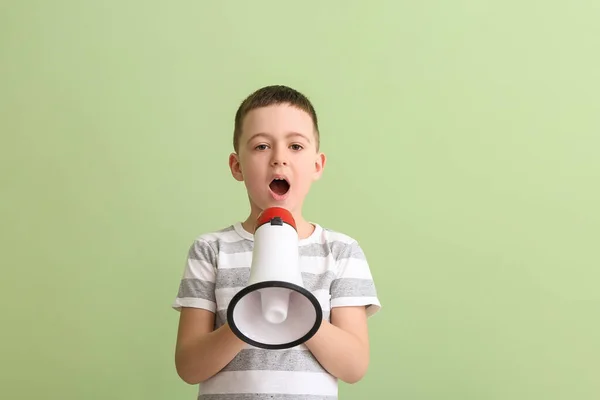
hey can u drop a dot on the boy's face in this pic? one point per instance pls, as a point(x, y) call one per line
point(277, 158)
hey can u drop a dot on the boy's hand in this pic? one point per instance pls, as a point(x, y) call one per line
point(201, 352)
point(342, 346)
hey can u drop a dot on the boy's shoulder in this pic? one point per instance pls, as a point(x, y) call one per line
point(332, 235)
point(225, 233)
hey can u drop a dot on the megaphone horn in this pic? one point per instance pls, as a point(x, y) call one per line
point(274, 310)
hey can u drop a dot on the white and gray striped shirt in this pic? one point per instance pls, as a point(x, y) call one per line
point(334, 269)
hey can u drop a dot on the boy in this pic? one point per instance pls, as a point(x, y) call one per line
point(276, 143)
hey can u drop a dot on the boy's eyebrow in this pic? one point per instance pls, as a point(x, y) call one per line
point(290, 134)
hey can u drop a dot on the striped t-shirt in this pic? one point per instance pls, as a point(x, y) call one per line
point(334, 269)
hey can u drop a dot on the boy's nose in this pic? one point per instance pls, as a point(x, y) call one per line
point(279, 158)
point(278, 161)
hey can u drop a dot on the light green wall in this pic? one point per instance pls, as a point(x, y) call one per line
point(463, 141)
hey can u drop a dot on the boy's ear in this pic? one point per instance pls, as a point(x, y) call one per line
point(235, 167)
point(319, 165)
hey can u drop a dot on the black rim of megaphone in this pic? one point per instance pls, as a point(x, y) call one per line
point(260, 285)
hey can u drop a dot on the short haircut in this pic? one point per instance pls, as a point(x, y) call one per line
point(271, 95)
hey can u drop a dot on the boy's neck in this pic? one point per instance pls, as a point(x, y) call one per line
point(304, 228)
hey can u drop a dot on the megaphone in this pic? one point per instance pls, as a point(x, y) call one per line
point(274, 310)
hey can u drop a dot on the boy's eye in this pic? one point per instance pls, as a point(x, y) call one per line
point(261, 147)
point(296, 147)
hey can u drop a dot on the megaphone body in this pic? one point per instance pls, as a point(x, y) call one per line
point(274, 310)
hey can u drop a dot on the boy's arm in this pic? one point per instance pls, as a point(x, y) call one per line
point(201, 352)
point(342, 346)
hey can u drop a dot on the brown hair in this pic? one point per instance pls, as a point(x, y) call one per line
point(271, 95)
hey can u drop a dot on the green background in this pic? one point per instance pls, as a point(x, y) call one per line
point(463, 142)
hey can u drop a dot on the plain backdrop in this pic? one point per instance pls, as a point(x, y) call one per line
point(463, 141)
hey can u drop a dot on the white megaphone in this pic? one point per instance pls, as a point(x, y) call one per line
point(274, 310)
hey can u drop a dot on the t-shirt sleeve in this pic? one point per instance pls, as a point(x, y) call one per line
point(197, 286)
point(354, 285)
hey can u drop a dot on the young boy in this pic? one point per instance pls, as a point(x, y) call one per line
point(276, 143)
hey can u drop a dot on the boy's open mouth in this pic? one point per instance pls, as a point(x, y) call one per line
point(279, 186)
